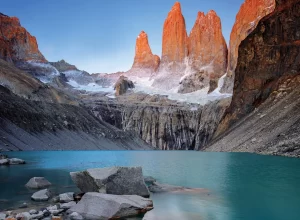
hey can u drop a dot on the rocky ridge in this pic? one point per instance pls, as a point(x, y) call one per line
point(16, 44)
point(270, 54)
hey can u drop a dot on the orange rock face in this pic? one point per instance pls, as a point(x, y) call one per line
point(144, 59)
point(250, 13)
point(206, 45)
point(174, 42)
point(247, 18)
point(16, 44)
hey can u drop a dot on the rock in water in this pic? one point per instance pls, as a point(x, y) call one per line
point(38, 183)
point(16, 161)
point(66, 197)
point(103, 206)
point(122, 85)
point(42, 195)
point(112, 180)
point(144, 59)
point(250, 13)
point(4, 162)
point(67, 205)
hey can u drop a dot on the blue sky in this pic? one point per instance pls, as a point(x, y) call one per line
point(99, 35)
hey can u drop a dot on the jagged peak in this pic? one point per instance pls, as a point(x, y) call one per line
point(176, 7)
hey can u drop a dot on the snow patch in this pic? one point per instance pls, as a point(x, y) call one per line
point(91, 87)
point(53, 70)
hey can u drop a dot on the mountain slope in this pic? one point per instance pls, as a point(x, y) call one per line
point(264, 113)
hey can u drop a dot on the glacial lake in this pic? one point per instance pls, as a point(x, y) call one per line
point(239, 186)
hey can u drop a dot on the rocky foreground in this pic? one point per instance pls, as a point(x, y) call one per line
point(106, 193)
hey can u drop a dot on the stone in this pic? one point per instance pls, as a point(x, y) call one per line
point(55, 199)
point(33, 212)
point(122, 85)
point(38, 183)
point(46, 213)
point(24, 216)
point(112, 180)
point(2, 216)
point(67, 205)
point(16, 43)
point(149, 180)
point(250, 13)
point(103, 206)
point(144, 59)
point(55, 207)
point(56, 212)
point(75, 216)
point(42, 195)
point(207, 50)
point(4, 162)
point(16, 161)
point(66, 197)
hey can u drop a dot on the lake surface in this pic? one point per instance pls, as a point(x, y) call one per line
point(240, 185)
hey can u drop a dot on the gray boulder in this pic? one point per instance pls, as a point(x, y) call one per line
point(114, 180)
point(75, 216)
point(39, 215)
point(122, 85)
point(2, 216)
point(16, 161)
point(66, 197)
point(103, 206)
point(67, 205)
point(4, 162)
point(24, 216)
point(38, 183)
point(42, 195)
point(33, 212)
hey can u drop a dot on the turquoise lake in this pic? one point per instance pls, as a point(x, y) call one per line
point(239, 186)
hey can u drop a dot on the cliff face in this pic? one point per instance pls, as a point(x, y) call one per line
point(268, 68)
point(207, 53)
point(16, 44)
point(250, 13)
point(163, 125)
point(144, 59)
